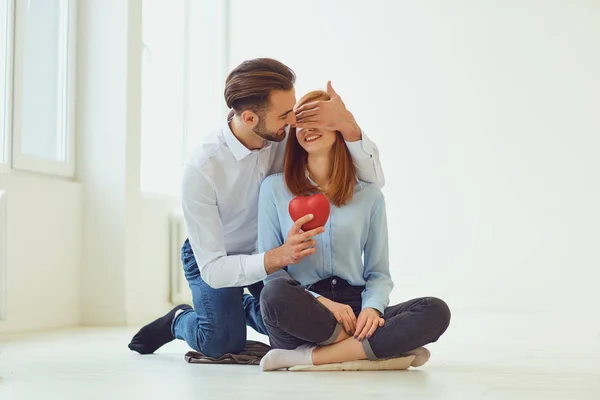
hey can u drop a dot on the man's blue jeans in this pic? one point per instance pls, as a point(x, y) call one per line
point(217, 324)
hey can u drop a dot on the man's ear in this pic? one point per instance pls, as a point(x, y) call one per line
point(249, 117)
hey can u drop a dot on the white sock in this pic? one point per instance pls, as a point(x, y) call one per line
point(277, 359)
point(421, 356)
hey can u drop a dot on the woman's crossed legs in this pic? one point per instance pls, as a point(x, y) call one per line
point(297, 321)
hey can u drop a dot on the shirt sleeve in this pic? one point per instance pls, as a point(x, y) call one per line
point(377, 267)
point(366, 160)
point(205, 233)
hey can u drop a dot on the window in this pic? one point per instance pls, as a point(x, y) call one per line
point(163, 92)
point(183, 73)
point(5, 64)
point(43, 98)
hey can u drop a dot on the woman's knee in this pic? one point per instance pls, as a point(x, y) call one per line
point(440, 313)
point(275, 291)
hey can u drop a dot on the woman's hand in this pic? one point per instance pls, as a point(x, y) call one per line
point(368, 321)
point(343, 314)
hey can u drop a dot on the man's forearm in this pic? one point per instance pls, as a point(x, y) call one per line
point(350, 130)
point(232, 271)
point(273, 261)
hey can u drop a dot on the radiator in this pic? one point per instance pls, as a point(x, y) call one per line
point(180, 291)
point(3, 251)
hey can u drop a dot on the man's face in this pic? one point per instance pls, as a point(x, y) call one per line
point(280, 114)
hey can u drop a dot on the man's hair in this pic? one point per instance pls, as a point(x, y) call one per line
point(343, 177)
point(249, 85)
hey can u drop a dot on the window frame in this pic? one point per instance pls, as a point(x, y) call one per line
point(6, 158)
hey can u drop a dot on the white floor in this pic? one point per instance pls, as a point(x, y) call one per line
point(481, 357)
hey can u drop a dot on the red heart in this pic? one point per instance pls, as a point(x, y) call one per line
point(317, 205)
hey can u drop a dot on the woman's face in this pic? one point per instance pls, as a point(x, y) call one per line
point(316, 141)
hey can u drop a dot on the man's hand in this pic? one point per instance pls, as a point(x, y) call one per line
point(368, 321)
point(330, 115)
point(298, 245)
point(343, 314)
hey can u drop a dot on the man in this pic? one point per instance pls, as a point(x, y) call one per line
point(219, 194)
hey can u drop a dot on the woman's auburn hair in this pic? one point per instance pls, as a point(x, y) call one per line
point(343, 177)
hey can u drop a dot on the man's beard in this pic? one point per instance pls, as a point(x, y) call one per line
point(262, 131)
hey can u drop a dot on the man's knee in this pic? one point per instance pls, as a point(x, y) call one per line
point(219, 342)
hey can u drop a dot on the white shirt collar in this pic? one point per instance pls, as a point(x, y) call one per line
point(237, 148)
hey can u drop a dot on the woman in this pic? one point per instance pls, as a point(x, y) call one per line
point(331, 307)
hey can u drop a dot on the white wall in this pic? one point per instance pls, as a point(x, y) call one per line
point(148, 293)
point(486, 115)
point(44, 252)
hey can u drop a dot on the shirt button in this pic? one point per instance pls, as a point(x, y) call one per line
point(334, 282)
